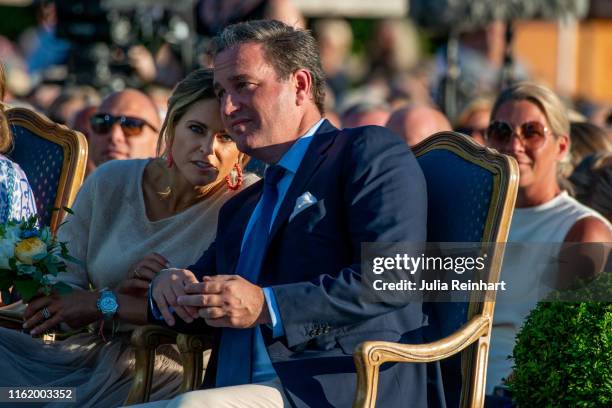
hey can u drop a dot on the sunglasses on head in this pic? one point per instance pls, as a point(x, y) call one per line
point(103, 122)
point(531, 134)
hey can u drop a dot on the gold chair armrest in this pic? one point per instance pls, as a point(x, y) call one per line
point(11, 322)
point(145, 340)
point(370, 355)
point(11, 315)
point(192, 348)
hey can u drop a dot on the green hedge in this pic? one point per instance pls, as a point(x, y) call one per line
point(563, 355)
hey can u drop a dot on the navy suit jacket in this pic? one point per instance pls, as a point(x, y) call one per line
point(369, 188)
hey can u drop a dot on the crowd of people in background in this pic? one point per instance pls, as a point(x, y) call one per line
point(564, 153)
point(391, 81)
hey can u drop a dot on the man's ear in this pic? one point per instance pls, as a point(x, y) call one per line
point(302, 80)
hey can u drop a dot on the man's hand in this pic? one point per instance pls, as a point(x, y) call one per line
point(168, 285)
point(141, 274)
point(227, 301)
point(76, 309)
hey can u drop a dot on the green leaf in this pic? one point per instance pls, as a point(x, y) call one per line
point(52, 269)
point(39, 257)
point(27, 288)
point(68, 210)
point(73, 259)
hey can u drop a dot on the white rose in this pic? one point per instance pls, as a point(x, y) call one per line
point(29, 248)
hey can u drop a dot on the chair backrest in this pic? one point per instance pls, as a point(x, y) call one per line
point(471, 192)
point(53, 158)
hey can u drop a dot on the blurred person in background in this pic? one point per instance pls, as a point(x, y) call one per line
point(159, 95)
point(131, 219)
point(592, 181)
point(42, 49)
point(412, 86)
point(335, 38)
point(415, 123)
point(124, 127)
point(82, 123)
point(601, 115)
point(474, 119)
point(41, 96)
point(394, 49)
point(212, 16)
point(587, 139)
point(365, 113)
point(70, 102)
point(530, 123)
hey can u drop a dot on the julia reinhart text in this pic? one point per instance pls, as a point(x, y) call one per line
point(438, 285)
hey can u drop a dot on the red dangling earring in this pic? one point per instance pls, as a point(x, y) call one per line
point(238, 177)
point(169, 160)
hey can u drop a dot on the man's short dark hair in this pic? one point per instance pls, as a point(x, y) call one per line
point(287, 50)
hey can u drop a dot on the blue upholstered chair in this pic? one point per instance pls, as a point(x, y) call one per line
point(52, 156)
point(471, 192)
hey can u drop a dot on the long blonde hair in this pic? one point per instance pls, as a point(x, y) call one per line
point(196, 86)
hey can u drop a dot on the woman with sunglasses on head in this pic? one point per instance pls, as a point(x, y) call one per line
point(530, 123)
point(132, 218)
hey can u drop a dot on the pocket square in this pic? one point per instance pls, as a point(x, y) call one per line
point(301, 203)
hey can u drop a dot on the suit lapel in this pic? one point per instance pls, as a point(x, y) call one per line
point(314, 156)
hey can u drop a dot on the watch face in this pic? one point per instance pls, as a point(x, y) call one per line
point(108, 305)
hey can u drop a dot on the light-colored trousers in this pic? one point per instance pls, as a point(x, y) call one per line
point(261, 395)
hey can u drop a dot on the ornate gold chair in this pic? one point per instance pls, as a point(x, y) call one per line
point(52, 156)
point(54, 159)
point(146, 340)
point(471, 193)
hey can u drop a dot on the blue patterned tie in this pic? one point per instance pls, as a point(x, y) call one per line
point(235, 350)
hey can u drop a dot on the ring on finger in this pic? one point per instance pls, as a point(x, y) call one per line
point(46, 314)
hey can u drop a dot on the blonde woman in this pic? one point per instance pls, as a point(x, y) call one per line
point(131, 219)
point(530, 123)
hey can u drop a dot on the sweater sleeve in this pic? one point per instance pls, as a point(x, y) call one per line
point(75, 233)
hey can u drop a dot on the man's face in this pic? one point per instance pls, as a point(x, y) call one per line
point(128, 128)
point(258, 109)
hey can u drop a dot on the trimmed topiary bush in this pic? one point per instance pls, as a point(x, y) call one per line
point(563, 354)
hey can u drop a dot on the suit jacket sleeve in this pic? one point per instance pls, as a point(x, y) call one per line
point(385, 200)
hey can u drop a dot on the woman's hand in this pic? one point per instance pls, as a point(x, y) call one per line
point(76, 309)
point(167, 287)
point(141, 274)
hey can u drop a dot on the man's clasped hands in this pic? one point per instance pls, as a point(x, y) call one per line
point(221, 300)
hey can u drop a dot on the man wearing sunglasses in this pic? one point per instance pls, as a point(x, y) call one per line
point(125, 126)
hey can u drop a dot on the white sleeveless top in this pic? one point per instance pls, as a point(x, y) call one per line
point(541, 229)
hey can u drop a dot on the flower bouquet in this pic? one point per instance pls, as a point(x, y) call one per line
point(30, 259)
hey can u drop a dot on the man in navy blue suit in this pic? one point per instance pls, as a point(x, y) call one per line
point(281, 287)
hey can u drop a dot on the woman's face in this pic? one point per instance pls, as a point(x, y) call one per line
point(477, 123)
point(202, 151)
point(537, 161)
